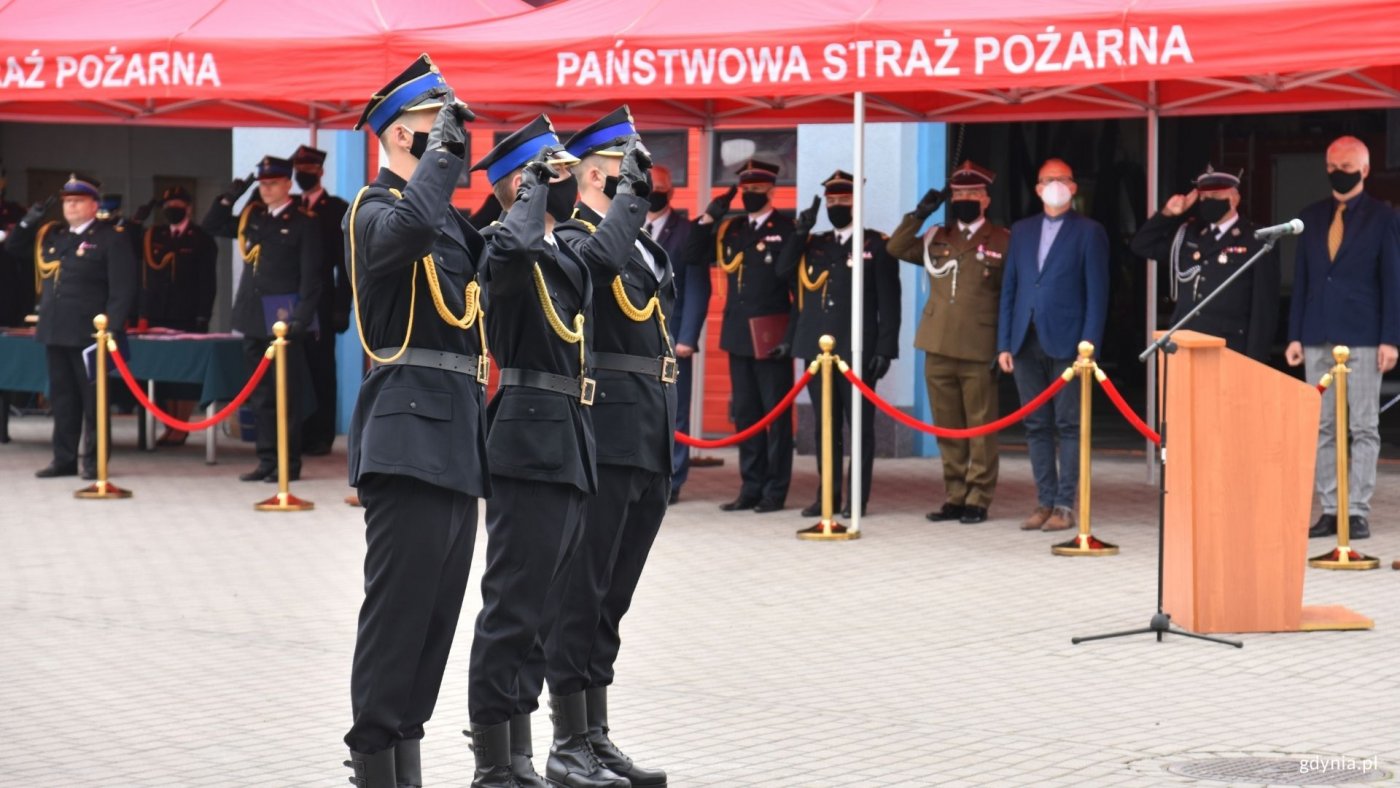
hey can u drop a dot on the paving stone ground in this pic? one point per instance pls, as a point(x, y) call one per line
point(181, 639)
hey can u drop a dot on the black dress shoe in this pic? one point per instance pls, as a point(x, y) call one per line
point(768, 505)
point(739, 504)
point(973, 515)
point(815, 510)
point(53, 471)
point(259, 473)
point(675, 498)
point(1360, 527)
point(949, 511)
point(317, 449)
point(292, 475)
point(846, 511)
point(89, 474)
point(1326, 525)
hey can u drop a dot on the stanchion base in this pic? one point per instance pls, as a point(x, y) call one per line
point(1085, 544)
point(284, 502)
point(102, 490)
point(1336, 558)
point(828, 531)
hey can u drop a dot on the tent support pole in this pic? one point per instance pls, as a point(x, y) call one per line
point(1153, 150)
point(856, 351)
point(703, 186)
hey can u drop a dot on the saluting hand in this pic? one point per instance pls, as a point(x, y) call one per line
point(37, 211)
point(632, 173)
point(930, 202)
point(1179, 203)
point(447, 133)
point(238, 186)
point(537, 172)
point(808, 218)
point(144, 212)
point(719, 206)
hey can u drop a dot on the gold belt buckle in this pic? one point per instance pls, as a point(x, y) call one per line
point(483, 369)
point(586, 390)
point(670, 370)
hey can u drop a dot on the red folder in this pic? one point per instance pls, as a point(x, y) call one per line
point(768, 332)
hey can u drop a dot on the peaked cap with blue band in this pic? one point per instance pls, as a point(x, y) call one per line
point(82, 185)
point(109, 203)
point(606, 137)
point(520, 147)
point(420, 86)
point(273, 167)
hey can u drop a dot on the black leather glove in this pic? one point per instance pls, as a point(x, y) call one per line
point(295, 330)
point(719, 206)
point(37, 210)
point(876, 367)
point(781, 350)
point(807, 219)
point(537, 172)
point(632, 174)
point(144, 212)
point(929, 203)
point(447, 132)
point(238, 186)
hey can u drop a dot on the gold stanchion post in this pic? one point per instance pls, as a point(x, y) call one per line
point(102, 489)
point(828, 529)
point(283, 501)
point(1084, 542)
point(1343, 556)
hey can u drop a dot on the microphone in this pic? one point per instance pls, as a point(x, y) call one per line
point(1291, 227)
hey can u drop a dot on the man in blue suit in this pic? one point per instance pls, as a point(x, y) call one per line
point(1054, 294)
point(1346, 291)
point(671, 229)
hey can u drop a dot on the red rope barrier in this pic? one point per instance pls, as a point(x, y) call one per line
point(956, 434)
point(759, 426)
point(189, 426)
point(1127, 411)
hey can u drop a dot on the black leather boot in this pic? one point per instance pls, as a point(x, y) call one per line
point(607, 752)
point(522, 753)
point(373, 771)
point(572, 763)
point(491, 746)
point(408, 764)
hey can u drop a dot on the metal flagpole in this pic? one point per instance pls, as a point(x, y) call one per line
point(857, 308)
point(703, 185)
point(1153, 146)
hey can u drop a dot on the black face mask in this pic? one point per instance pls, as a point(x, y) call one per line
point(1343, 182)
point(610, 186)
point(419, 145)
point(965, 211)
point(657, 201)
point(839, 215)
point(754, 201)
point(175, 214)
point(306, 181)
point(561, 199)
point(1212, 210)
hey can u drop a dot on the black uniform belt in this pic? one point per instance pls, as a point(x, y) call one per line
point(663, 368)
point(462, 364)
point(582, 390)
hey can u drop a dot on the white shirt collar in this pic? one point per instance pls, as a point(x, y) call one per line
point(181, 228)
point(82, 228)
point(659, 223)
point(307, 198)
point(278, 210)
point(971, 229)
point(759, 219)
point(1224, 227)
point(844, 233)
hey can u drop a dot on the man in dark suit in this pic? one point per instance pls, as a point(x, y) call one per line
point(1346, 291)
point(1206, 246)
point(760, 372)
point(86, 268)
point(540, 446)
point(417, 440)
point(670, 227)
point(822, 264)
point(1054, 295)
point(281, 251)
point(333, 311)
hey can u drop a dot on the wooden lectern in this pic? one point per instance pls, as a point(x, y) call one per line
point(1242, 444)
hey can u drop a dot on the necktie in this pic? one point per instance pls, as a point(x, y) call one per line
point(1334, 233)
point(651, 229)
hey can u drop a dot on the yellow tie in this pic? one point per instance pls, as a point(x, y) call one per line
point(1334, 233)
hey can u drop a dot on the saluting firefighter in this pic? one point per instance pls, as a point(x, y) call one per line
point(757, 302)
point(84, 268)
point(824, 265)
point(333, 311)
point(417, 441)
point(1206, 239)
point(281, 280)
point(958, 332)
point(540, 444)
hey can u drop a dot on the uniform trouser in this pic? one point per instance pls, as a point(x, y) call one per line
point(841, 416)
point(680, 455)
point(1363, 428)
point(264, 401)
point(319, 426)
point(1057, 420)
point(418, 539)
point(963, 394)
point(73, 399)
point(765, 460)
point(532, 529)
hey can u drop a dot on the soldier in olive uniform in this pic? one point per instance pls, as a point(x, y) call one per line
point(417, 441)
point(958, 333)
point(823, 265)
point(746, 248)
point(86, 268)
point(281, 250)
point(1206, 239)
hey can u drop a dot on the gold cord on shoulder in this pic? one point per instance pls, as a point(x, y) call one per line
point(166, 261)
point(735, 265)
point(633, 313)
point(574, 337)
point(250, 254)
point(355, 293)
point(44, 269)
point(810, 285)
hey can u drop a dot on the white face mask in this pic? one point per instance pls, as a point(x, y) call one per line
point(1055, 195)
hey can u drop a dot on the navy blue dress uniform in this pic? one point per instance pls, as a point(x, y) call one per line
point(824, 267)
point(417, 440)
point(746, 248)
point(179, 269)
point(16, 291)
point(333, 311)
point(84, 271)
point(540, 445)
point(1203, 248)
point(281, 251)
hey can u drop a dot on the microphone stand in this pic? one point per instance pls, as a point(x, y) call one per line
point(1161, 623)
